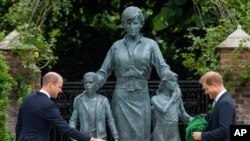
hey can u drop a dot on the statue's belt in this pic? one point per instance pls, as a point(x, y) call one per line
point(132, 83)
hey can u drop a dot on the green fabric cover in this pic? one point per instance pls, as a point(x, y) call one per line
point(197, 124)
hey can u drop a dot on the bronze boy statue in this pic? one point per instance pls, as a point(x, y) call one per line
point(92, 110)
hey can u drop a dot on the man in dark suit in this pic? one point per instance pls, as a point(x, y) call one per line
point(38, 114)
point(223, 112)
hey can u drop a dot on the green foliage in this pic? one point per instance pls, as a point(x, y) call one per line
point(208, 56)
point(34, 47)
point(5, 87)
point(237, 72)
point(170, 15)
point(224, 17)
point(28, 17)
point(24, 87)
point(169, 26)
point(106, 20)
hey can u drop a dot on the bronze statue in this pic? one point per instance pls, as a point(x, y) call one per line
point(93, 110)
point(167, 108)
point(132, 58)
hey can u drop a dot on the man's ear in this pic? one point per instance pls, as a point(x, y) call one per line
point(51, 83)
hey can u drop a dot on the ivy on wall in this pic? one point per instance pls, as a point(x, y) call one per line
point(6, 82)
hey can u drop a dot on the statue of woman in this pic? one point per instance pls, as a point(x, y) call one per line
point(132, 58)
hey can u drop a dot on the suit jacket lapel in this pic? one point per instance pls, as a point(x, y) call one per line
point(216, 106)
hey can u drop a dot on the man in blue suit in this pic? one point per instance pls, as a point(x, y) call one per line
point(38, 114)
point(223, 112)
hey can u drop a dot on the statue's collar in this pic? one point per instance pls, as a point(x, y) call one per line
point(125, 40)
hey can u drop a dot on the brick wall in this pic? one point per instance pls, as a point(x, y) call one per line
point(242, 101)
point(242, 93)
point(16, 68)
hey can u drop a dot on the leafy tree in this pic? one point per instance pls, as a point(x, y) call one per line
point(202, 55)
point(35, 48)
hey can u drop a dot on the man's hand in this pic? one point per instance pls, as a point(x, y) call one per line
point(196, 136)
point(95, 139)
